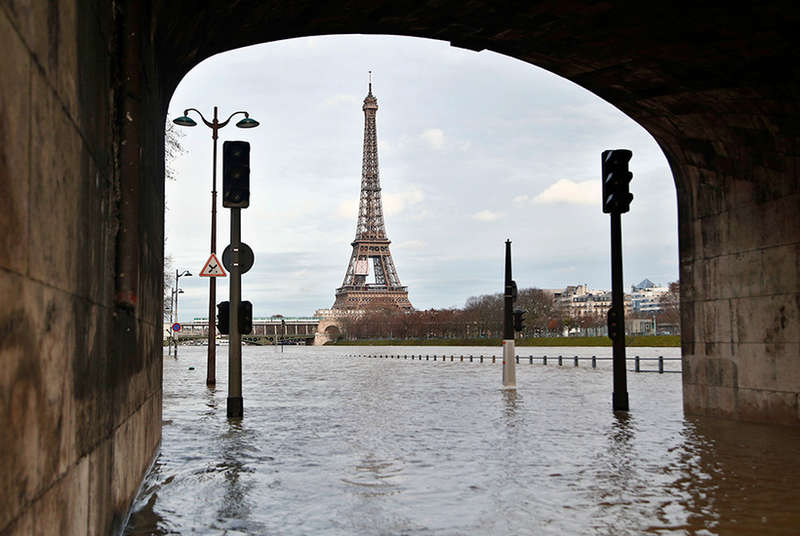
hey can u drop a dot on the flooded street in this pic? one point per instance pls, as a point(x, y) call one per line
point(348, 445)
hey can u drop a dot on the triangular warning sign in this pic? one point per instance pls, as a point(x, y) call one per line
point(213, 268)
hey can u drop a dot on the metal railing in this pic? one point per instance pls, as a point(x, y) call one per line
point(575, 360)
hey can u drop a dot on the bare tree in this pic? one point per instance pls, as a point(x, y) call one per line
point(169, 282)
point(172, 149)
point(670, 304)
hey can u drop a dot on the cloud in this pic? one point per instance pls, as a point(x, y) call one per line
point(487, 215)
point(341, 99)
point(521, 198)
point(413, 245)
point(434, 136)
point(571, 192)
point(397, 202)
point(348, 209)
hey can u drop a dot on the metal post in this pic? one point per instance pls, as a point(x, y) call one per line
point(661, 364)
point(636, 367)
point(235, 401)
point(509, 367)
point(171, 311)
point(177, 291)
point(619, 396)
point(211, 367)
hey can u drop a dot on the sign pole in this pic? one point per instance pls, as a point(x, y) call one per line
point(235, 401)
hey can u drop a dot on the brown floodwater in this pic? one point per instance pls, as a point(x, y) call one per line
point(332, 445)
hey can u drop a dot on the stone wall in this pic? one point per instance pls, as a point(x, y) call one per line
point(80, 387)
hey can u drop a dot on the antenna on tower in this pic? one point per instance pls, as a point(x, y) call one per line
point(370, 82)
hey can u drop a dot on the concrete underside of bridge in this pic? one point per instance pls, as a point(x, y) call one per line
point(85, 86)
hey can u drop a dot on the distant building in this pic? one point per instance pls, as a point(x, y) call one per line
point(640, 326)
point(579, 301)
point(646, 297)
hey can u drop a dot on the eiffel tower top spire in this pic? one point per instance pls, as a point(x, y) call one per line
point(370, 210)
point(371, 242)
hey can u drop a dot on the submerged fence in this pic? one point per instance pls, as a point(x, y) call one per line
point(544, 360)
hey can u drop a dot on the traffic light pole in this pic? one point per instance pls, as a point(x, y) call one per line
point(619, 397)
point(235, 401)
point(509, 353)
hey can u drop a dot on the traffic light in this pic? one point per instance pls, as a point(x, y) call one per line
point(224, 317)
point(236, 174)
point(616, 178)
point(613, 324)
point(245, 318)
point(519, 319)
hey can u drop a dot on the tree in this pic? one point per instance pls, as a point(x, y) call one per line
point(169, 281)
point(670, 304)
point(172, 149)
point(540, 307)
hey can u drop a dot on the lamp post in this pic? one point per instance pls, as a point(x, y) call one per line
point(214, 125)
point(175, 293)
point(173, 308)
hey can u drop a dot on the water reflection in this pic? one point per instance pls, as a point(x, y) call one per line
point(740, 478)
point(232, 448)
point(511, 399)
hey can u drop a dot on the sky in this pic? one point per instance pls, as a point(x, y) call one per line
point(474, 148)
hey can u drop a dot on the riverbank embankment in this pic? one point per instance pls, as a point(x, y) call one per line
point(631, 341)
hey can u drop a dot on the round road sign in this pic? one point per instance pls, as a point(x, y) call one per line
point(176, 327)
point(246, 258)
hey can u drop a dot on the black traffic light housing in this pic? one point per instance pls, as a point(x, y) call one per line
point(616, 179)
point(224, 317)
point(245, 318)
point(519, 319)
point(236, 174)
point(613, 324)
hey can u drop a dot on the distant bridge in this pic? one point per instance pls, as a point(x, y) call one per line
point(280, 328)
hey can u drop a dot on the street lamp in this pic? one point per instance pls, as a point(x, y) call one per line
point(214, 125)
point(178, 276)
point(173, 309)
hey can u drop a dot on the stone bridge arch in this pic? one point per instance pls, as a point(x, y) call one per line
point(328, 330)
point(84, 94)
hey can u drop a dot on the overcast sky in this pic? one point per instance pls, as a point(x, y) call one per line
point(474, 148)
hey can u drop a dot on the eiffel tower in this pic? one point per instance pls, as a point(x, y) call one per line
point(371, 241)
